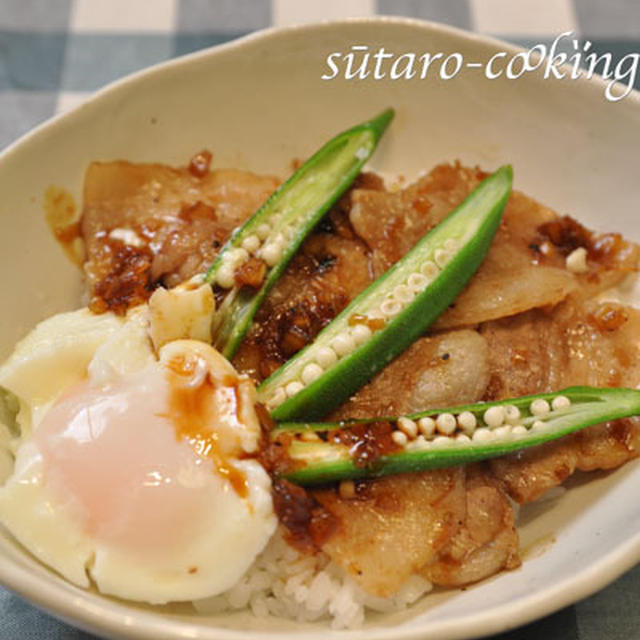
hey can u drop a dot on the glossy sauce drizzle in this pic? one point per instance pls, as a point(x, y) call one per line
point(374, 324)
point(191, 409)
point(60, 213)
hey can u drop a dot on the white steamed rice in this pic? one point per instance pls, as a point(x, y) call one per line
point(286, 584)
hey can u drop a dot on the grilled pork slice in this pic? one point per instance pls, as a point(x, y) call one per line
point(149, 224)
point(526, 265)
point(527, 475)
point(486, 541)
point(454, 526)
point(392, 223)
point(397, 526)
point(394, 526)
point(438, 371)
point(330, 269)
point(589, 343)
point(577, 343)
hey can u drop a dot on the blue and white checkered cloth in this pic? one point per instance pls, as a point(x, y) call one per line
point(54, 53)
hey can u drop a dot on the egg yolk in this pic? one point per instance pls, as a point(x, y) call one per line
point(136, 461)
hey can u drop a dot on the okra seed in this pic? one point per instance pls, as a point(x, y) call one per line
point(271, 253)
point(420, 443)
point(229, 258)
point(519, 431)
point(463, 437)
point(240, 256)
point(494, 417)
point(311, 372)
point(427, 426)
point(442, 441)
point(403, 294)
point(390, 308)
point(540, 407)
point(561, 402)
point(482, 435)
point(278, 397)
point(263, 230)
point(408, 426)
point(512, 414)
point(429, 269)
point(293, 388)
point(251, 243)
point(360, 333)
point(446, 423)
point(451, 245)
point(309, 436)
point(343, 344)
point(326, 357)
point(502, 432)
point(417, 282)
point(467, 422)
point(400, 438)
point(288, 233)
point(225, 275)
point(538, 425)
point(442, 257)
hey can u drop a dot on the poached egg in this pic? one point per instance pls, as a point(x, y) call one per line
point(142, 479)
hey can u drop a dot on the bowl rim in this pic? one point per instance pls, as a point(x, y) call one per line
point(100, 614)
point(110, 617)
point(263, 34)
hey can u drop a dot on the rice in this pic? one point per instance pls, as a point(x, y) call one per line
point(287, 584)
point(284, 583)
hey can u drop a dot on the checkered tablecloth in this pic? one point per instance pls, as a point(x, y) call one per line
point(54, 53)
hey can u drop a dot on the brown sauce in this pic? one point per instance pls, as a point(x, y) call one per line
point(288, 330)
point(200, 163)
point(60, 214)
point(274, 455)
point(608, 317)
point(251, 273)
point(190, 409)
point(128, 283)
point(567, 234)
point(373, 323)
point(308, 524)
point(538, 547)
point(609, 249)
point(367, 442)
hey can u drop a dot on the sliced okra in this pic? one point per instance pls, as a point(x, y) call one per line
point(392, 312)
point(256, 254)
point(319, 453)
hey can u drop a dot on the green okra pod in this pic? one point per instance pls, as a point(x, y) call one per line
point(392, 312)
point(269, 239)
point(322, 453)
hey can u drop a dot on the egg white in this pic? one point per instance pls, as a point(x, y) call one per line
point(228, 537)
point(53, 357)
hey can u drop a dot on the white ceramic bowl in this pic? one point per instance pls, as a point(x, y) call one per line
point(259, 102)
